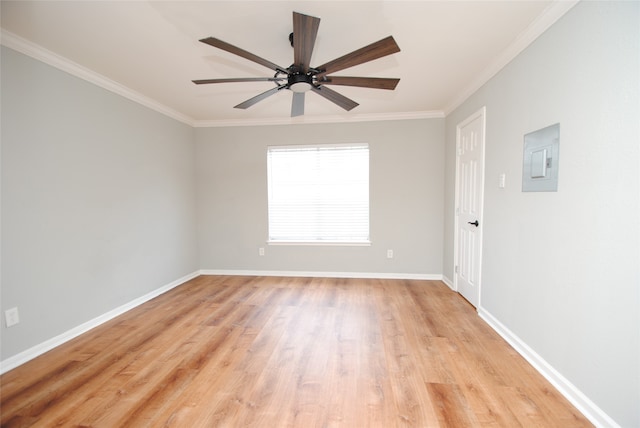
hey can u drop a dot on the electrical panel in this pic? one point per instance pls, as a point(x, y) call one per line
point(540, 161)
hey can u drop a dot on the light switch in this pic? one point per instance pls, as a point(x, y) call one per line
point(502, 179)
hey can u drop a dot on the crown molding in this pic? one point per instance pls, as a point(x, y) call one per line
point(549, 16)
point(302, 120)
point(35, 51)
point(39, 53)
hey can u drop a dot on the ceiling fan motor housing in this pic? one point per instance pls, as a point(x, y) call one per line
point(298, 81)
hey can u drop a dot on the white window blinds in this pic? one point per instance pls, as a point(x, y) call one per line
point(319, 194)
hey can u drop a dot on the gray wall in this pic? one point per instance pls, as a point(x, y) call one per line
point(98, 201)
point(561, 270)
point(406, 199)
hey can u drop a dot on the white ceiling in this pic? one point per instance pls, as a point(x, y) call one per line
point(149, 50)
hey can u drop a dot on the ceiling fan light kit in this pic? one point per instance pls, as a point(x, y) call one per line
point(300, 77)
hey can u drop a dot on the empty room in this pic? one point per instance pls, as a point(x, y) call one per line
point(305, 213)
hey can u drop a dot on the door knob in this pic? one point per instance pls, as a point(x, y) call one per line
point(475, 223)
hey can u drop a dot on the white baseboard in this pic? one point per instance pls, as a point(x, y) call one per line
point(587, 407)
point(31, 353)
point(448, 282)
point(306, 274)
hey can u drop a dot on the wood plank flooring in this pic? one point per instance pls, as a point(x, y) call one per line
point(232, 351)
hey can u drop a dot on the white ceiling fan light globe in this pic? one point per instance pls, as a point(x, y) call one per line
point(300, 87)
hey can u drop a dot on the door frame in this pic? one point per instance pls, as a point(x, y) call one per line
point(482, 113)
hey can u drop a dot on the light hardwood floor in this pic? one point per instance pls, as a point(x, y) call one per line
point(231, 351)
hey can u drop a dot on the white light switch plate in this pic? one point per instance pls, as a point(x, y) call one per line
point(502, 179)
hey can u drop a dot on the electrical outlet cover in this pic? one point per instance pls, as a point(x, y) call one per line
point(11, 317)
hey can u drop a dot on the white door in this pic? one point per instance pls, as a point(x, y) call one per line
point(469, 198)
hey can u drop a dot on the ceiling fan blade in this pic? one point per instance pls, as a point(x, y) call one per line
point(335, 97)
point(239, 79)
point(217, 43)
point(297, 105)
point(305, 29)
point(258, 98)
point(365, 82)
point(384, 47)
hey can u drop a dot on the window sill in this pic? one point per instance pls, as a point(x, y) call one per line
point(323, 243)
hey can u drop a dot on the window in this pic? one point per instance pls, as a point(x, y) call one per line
point(319, 194)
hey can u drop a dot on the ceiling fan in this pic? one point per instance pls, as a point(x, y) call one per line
point(300, 77)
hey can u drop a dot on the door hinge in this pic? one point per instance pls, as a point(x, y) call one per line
point(456, 269)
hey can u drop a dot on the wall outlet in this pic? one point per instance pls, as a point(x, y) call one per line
point(11, 317)
point(261, 251)
point(389, 254)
